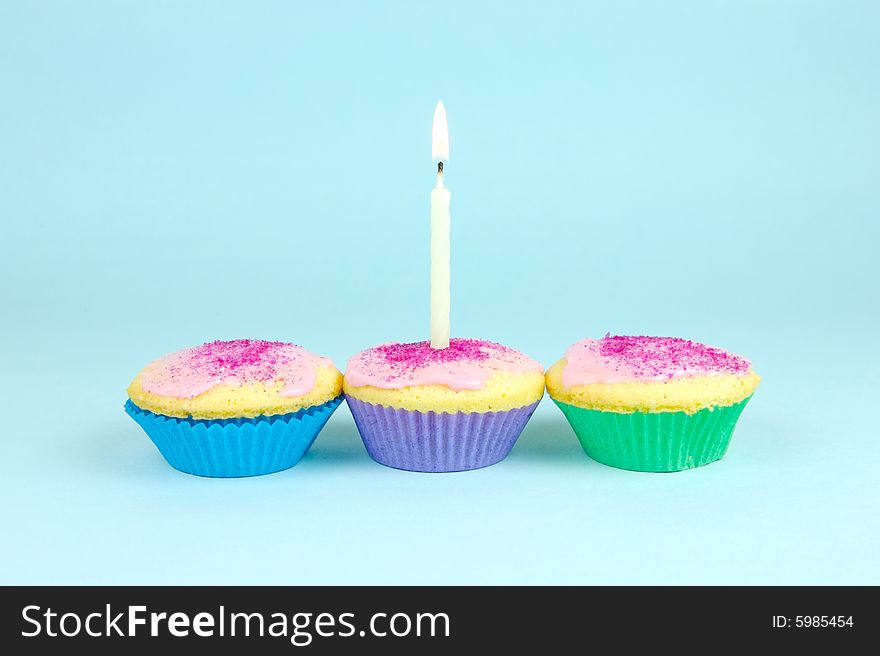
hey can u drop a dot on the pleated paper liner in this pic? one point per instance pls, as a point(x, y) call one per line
point(654, 441)
point(438, 441)
point(230, 448)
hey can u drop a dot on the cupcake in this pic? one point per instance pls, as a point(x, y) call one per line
point(442, 410)
point(239, 408)
point(656, 404)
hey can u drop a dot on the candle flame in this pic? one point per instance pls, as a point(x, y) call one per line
point(440, 134)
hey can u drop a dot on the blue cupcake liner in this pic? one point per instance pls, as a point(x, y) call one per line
point(231, 448)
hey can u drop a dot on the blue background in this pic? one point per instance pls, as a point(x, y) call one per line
point(172, 174)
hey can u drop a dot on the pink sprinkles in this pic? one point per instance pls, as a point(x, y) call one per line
point(407, 358)
point(194, 371)
point(668, 357)
point(254, 359)
point(420, 354)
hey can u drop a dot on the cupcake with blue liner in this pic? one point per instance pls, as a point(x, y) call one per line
point(442, 410)
point(235, 408)
point(655, 404)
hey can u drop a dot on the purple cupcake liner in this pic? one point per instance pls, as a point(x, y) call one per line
point(437, 441)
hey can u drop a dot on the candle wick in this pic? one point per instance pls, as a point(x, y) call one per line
point(439, 168)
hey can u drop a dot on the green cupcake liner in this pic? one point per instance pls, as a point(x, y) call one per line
point(654, 441)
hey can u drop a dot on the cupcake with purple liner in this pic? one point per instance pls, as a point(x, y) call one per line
point(235, 408)
point(442, 410)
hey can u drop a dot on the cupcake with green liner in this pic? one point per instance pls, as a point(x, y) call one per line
point(235, 408)
point(654, 404)
point(442, 410)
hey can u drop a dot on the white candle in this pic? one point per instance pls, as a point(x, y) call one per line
point(440, 227)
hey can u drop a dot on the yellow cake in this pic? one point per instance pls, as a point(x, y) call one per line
point(469, 376)
point(501, 391)
point(673, 380)
point(238, 379)
point(681, 395)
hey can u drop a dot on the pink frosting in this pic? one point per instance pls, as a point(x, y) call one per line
point(621, 358)
point(466, 365)
point(186, 374)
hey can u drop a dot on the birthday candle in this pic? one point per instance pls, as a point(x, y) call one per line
point(440, 228)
